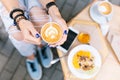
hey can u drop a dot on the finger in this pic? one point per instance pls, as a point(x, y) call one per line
point(29, 37)
point(31, 42)
point(64, 38)
point(51, 45)
point(34, 32)
point(60, 43)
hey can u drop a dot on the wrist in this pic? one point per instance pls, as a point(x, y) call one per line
point(22, 21)
point(19, 19)
point(45, 2)
point(54, 11)
point(49, 5)
point(15, 14)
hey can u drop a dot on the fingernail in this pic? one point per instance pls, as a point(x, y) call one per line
point(65, 32)
point(37, 35)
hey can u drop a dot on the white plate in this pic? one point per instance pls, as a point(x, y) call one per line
point(97, 18)
point(80, 73)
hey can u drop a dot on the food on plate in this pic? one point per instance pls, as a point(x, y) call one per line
point(83, 60)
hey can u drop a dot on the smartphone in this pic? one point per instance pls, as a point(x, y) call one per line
point(72, 33)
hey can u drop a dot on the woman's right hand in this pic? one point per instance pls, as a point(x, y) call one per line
point(29, 32)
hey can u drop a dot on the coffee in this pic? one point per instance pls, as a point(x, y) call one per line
point(105, 8)
point(51, 32)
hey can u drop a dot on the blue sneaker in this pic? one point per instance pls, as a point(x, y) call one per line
point(46, 56)
point(34, 69)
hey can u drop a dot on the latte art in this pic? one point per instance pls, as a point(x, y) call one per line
point(51, 32)
point(102, 9)
point(105, 8)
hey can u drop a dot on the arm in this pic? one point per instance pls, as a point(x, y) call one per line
point(56, 16)
point(11, 4)
point(53, 10)
point(26, 26)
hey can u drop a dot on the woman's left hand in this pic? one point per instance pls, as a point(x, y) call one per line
point(63, 24)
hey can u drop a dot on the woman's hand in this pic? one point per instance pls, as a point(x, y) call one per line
point(29, 32)
point(63, 24)
point(56, 17)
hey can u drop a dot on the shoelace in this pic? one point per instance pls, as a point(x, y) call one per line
point(32, 65)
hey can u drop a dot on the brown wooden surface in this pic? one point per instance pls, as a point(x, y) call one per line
point(110, 69)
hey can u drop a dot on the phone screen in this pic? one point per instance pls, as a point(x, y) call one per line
point(70, 38)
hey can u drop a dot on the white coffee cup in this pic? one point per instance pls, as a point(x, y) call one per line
point(51, 32)
point(104, 8)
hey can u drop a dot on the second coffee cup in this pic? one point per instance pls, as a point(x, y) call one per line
point(104, 8)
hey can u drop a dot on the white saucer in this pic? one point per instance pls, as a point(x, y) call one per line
point(80, 73)
point(97, 18)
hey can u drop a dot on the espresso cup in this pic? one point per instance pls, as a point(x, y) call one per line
point(51, 32)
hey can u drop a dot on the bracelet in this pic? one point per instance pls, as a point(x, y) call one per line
point(16, 22)
point(18, 18)
point(15, 10)
point(48, 5)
